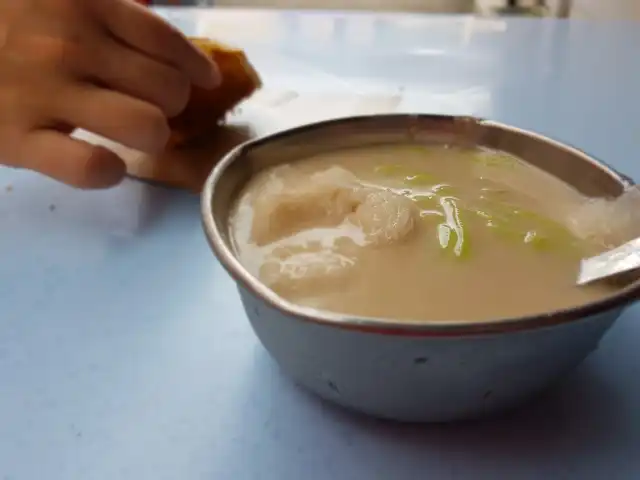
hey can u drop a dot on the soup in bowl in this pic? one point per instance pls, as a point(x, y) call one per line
point(419, 268)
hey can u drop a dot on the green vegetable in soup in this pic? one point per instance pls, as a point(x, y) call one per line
point(428, 205)
point(495, 207)
point(547, 234)
point(420, 180)
point(390, 170)
point(443, 189)
point(455, 227)
point(425, 201)
point(514, 223)
point(505, 231)
point(444, 235)
point(407, 176)
point(537, 241)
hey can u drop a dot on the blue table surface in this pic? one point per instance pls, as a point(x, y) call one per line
point(124, 350)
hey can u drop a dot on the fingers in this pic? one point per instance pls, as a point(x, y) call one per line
point(69, 160)
point(139, 76)
point(141, 29)
point(113, 115)
point(113, 65)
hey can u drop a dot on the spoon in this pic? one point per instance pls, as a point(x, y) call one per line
point(611, 263)
point(613, 222)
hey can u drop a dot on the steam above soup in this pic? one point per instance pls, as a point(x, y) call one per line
point(414, 232)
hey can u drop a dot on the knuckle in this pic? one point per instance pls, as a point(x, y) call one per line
point(58, 53)
point(146, 79)
point(172, 36)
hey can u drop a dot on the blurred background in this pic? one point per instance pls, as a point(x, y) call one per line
point(585, 9)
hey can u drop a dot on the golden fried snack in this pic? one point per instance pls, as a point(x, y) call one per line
point(207, 108)
point(188, 168)
point(199, 137)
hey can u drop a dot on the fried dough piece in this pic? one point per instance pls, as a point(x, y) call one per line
point(207, 108)
point(199, 139)
point(300, 202)
point(188, 167)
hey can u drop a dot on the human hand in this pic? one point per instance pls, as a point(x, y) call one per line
point(107, 66)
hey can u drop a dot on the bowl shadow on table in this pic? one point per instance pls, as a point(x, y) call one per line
point(47, 205)
point(578, 416)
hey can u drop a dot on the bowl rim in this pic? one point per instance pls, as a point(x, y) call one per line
point(387, 326)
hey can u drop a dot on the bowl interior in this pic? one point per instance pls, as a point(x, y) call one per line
point(587, 175)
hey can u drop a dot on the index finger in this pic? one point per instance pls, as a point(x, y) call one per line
point(141, 29)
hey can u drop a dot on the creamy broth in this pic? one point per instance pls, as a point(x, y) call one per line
point(414, 232)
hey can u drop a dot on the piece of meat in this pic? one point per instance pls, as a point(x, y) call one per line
point(307, 274)
point(207, 108)
point(385, 217)
point(292, 202)
point(288, 202)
